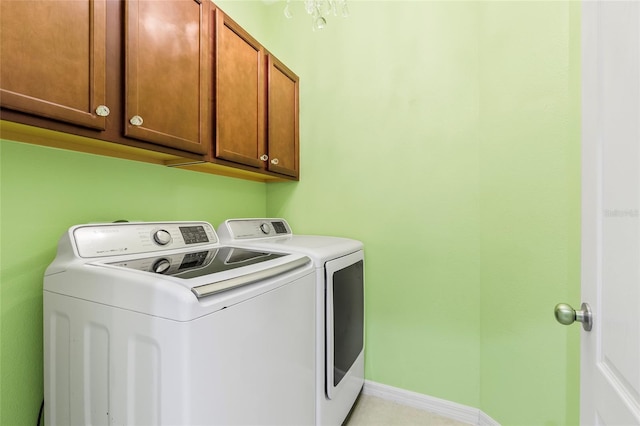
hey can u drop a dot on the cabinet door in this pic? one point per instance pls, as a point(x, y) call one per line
point(283, 130)
point(53, 59)
point(168, 73)
point(239, 94)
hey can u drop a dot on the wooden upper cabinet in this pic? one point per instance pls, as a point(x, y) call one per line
point(283, 112)
point(239, 94)
point(53, 56)
point(256, 103)
point(167, 78)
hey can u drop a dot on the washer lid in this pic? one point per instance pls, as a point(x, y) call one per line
point(198, 263)
point(212, 271)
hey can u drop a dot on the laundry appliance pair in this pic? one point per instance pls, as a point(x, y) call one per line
point(168, 323)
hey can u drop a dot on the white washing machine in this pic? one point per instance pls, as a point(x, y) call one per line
point(160, 324)
point(339, 264)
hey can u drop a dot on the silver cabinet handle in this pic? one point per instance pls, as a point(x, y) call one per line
point(566, 315)
point(102, 110)
point(275, 161)
point(136, 120)
point(264, 157)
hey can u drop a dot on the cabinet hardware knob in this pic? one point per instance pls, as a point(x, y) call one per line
point(102, 111)
point(264, 157)
point(136, 120)
point(275, 161)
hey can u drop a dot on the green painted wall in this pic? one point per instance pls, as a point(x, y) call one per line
point(389, 123)
point(530, 209)
point(43, 192)
point(444, 134)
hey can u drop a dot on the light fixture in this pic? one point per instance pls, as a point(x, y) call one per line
point(320, 10)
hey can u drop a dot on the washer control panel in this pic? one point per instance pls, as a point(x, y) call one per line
point(243, 229)
point(113, 239)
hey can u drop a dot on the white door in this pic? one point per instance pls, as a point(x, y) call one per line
point(610, 364)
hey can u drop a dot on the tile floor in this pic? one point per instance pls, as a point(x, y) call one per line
point(374, 411)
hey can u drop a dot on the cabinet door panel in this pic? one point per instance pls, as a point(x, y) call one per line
point(239, 94)
point(282, 106)
point(53, 59)
point(167, 73)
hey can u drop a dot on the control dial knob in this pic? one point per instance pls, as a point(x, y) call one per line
point(161, 266)
point(264, 227)
point(162, 237)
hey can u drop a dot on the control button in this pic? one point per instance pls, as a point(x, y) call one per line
point(264, 227)
point(162, 237)
point(161, 266)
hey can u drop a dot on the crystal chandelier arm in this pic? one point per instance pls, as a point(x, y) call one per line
point(319, 9)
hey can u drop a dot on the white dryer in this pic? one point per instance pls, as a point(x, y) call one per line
point(339, 264)
point(159, 324)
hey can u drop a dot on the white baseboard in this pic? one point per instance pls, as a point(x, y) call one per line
point(452, 410)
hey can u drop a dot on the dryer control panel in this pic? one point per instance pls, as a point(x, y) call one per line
point(244, 229)
point(113, 239)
